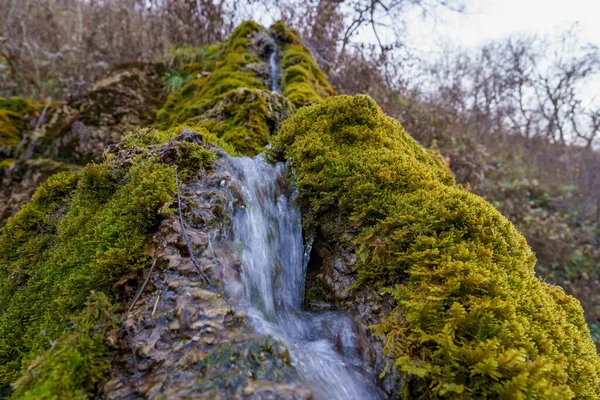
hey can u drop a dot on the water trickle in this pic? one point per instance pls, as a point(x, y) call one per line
point(274, 71)
point(268, 234)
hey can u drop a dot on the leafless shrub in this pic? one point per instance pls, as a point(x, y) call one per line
point(58, 47)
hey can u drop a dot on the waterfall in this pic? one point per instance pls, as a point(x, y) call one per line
point(268, 235)
point(274, 71)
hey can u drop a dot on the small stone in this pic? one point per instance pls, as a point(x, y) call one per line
point(174, 284)
point(201, 294)
point(174, 326)
point(249, 391)
point(148, 323)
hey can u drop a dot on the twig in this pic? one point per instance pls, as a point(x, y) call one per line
point(189, 245)
point(157, 300)
point(31, 146)
point(41, 118)
point(139, 293)
point(212, 252)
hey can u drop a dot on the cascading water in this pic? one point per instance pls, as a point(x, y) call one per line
point(274, 71)
point(267, 231)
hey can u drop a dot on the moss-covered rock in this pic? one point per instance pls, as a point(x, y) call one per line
point(469, 318)
point(445, 279)
point(227, 74)
point(81, 232)
point(302, 81)
point(246, 118)
point(188, 340)
point(229, 95)
point(60, 136)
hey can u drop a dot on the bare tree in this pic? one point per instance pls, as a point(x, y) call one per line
point(59, 47)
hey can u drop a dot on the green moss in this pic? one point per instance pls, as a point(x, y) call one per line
point(231, 101)
point(228, 74)
point(191, 60)
point(240, 120)
point(302, 80)
point(11, 127)
point(193, 159)
point(13, 114)
point(77, 362)
point(471, 319)
point(80, 232)
point(147, 138)
point(20, 105)
point(6, 163)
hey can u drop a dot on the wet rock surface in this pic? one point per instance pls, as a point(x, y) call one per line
point(263, 45)
point(330, 277)
point(182, 339)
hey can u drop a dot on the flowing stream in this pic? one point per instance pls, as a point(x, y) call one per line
point(268, 235)
point(274, 71)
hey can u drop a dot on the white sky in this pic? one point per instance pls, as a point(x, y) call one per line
point(487, 20)
point(496, 19)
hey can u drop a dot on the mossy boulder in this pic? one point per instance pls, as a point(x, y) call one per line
point(468, 317)
point(226, 74)
point(82, 231)
point(246, 118)
point(302, 81)
point(230, 97)
point(72, 259)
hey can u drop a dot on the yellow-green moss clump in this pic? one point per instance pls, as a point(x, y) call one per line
point(471, 320)
point(76, 363)
point(13, 114)
point(227, 74)
point(246, 118)
point(302, 81)
point(192, 61)
point(243, 124)
point(80, 232)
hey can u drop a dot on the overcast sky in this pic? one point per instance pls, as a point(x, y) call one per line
point(496, 19)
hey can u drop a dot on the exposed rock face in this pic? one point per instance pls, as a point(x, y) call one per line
point(123, 101)
point(188, 341)
point(262, 45)
point(19, 181)
point(331, 275)
point(77, 132)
